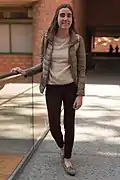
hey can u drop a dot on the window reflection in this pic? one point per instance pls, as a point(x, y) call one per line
point(102, 44)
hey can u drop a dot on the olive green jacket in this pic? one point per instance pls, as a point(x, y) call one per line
point(76, 59)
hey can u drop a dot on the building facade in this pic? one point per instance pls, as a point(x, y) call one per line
point(23, 22)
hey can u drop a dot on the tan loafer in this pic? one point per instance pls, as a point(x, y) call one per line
point(69, 170)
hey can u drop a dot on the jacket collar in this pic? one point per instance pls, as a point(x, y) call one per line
point(73, 38)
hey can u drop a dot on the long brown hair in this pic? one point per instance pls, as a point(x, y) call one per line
point(54, 24)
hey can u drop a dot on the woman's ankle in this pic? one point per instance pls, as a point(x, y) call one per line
point(67, 159)
point(68, 162)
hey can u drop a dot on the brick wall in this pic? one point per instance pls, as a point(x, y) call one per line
point(79, 7)
point(9, 61)
point(101, 13)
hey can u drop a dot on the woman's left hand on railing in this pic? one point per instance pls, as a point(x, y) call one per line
point(19, 70)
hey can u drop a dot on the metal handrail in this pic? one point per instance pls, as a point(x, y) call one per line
point(8, 74)
point(10, 77)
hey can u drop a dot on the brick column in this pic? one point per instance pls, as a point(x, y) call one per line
point(79, 7)
point(43, 12)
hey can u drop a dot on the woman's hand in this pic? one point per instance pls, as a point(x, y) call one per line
point(19, 70)
point(78, 102)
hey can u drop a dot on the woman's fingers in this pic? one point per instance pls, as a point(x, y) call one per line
point(19, 70)
point(75, 104)
point(78, 103)
point(16, 69)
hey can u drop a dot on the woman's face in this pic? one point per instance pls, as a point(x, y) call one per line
point(65, 18)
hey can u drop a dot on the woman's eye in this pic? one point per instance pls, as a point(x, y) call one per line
point(69, 15)
point(62, 15)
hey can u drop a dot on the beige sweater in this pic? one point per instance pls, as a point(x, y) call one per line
point(60, 69)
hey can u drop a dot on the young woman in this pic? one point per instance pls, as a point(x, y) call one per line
point(62, 67)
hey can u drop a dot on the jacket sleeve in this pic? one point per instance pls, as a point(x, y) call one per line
point(81, 67)
point(39, 67)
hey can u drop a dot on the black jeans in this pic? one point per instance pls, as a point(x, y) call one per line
point(55, 95)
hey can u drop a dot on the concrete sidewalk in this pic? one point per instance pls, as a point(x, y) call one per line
point(90, 165)
point(96, 153)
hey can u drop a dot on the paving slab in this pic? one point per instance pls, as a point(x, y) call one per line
point(47, 165)
point(96, 153)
